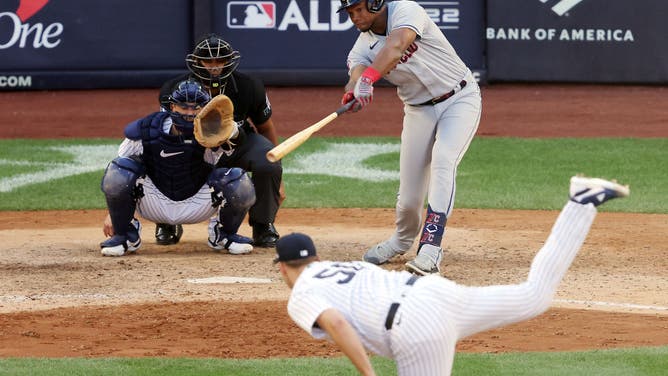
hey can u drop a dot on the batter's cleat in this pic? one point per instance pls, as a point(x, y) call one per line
point(234, 243)
point(381, 253)
point(265, 235)
point(427, 261)
point(595, 191)
point(119, 245)
point(166, 234)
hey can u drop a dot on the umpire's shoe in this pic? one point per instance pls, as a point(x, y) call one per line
point(118, 245)
point(166, 234)
point(234, 243)
point(427, 261)
point(265, 235)
point(595, 191)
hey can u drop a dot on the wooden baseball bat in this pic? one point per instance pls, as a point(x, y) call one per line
point(294, 141)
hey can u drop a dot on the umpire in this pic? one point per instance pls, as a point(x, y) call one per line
point(213, 63)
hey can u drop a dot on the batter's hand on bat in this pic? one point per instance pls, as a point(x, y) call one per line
point(349, 97)
point(363, 91)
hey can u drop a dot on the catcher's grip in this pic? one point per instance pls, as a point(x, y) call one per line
point(294, 141)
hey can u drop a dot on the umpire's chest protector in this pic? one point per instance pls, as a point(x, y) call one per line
point(175, 164)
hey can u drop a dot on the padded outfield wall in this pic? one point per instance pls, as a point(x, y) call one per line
point(63, 44)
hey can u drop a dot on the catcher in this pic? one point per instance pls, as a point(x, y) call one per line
point(213, 64)
point(166, 175)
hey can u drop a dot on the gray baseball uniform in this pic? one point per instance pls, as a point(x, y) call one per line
point(418, 321)
point(435, 136)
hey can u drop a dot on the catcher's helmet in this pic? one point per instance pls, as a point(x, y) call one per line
point(188, 94)
point(214, 49)
point(372, 6)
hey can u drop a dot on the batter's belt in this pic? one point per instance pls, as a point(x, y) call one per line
point(395, 306)
point(445, 96)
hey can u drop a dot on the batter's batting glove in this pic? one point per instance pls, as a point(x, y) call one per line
point(349, 97)
point(364, 86)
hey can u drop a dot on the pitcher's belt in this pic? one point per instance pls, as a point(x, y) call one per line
point(395, 306)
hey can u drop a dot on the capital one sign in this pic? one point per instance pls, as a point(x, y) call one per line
point(23, 34)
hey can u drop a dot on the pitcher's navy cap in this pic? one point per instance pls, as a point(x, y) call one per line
point(294, 246)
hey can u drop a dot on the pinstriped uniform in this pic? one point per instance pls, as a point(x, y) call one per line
point(157, 207)
point(435, 312)
point(434, 138)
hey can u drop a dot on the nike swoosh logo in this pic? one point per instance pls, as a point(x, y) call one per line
point(167, 155)
point(373, 45)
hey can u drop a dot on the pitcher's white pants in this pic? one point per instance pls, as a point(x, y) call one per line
point(438, 312)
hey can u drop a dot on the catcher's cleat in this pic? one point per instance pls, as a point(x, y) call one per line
point(595, 191)
point(118, 245)
point(427, 261)
point(265, 235)
point(166, 234)
point(234, 243)
point(381, 253)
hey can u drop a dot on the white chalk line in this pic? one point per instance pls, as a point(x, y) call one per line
point(611, 304)
point(225, 280)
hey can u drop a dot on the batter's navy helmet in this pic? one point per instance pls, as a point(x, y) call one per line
point(188, 94)
point(372, 6)
point(213, 47)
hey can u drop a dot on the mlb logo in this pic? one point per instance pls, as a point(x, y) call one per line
point(251, 14)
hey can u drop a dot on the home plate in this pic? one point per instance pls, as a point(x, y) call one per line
point(225, 279)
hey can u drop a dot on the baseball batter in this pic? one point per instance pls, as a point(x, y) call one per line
point(361, 306)
point(442, 106)
point(163, 174)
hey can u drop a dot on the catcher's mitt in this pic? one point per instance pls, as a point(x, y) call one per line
point(214, 124)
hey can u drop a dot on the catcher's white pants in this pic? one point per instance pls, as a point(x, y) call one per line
point(157, 207)
point(438, 312)
point(433, 142)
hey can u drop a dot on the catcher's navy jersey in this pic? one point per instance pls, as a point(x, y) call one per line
point(175, 164)
point(246, 93)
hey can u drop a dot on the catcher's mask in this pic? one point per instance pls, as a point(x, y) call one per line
point(372, 6)
point(189, 94)
point(220, 59)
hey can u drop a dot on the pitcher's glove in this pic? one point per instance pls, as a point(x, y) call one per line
point(214, 124)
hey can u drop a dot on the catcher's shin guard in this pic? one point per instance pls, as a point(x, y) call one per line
point(234, 193)
point(119, 185)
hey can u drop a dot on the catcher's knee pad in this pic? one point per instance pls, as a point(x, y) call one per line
point(231, 187)
point(234, 193)
point(120, 188)
point(120, 178)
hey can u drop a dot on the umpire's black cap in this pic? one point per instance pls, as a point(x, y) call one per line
point(295, 246)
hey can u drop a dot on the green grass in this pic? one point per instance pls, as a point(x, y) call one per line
point(505, 173)
point(502, 173)
point(626, 362)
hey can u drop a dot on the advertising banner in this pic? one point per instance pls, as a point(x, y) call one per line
point(607, 41)
point(306, 42)
point(72, 43)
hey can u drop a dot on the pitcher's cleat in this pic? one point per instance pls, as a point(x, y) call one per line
point(596, 191)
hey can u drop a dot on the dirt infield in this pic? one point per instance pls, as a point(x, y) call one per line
point(59, 297)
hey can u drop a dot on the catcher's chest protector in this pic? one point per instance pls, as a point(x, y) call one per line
point(175, 164)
